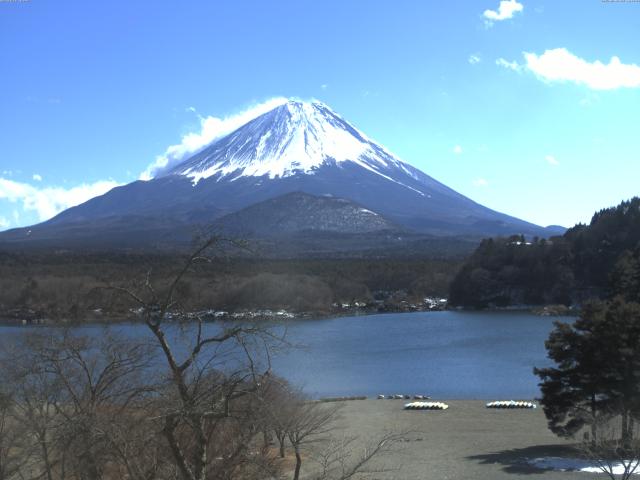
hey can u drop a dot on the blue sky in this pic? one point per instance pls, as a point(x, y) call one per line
point(528, 107)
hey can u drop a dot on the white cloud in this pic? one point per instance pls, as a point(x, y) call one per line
point(324, 86)
point(210, 129)
point(480, 182)
point(510, 65)
point(4, 223)
point(551, 160)
point(457, 149)
point(37, 177)
point(560, 65)
point(506, 10)
point(473, 59)
point(49, 201)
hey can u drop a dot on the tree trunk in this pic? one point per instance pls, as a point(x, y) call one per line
point(282, 452)
point(178, 456)
point(200, 450)
point(594, 421)
point(296, 473)
point(89, 469)
point(625, 428)
point(45, 457)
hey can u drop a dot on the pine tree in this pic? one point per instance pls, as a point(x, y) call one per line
point(597, 370)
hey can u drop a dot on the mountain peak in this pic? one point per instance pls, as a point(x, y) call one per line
point(296, 137)
point(296, 105)
point(296, 146)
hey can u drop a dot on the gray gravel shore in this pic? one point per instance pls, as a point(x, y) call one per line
point(467, 441)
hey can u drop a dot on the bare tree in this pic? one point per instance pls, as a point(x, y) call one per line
point(37, 400)
point(338, 459)
point(310, 429)
point(102, 383)
point(210, 385)
point(74, 398)
point(14, 449)
point(189, 401)
point(308, 423)
point(95, 408)
point(280, 404)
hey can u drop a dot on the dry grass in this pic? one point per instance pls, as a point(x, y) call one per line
point(467, 441)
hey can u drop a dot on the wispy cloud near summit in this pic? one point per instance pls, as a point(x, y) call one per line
point(211, 128)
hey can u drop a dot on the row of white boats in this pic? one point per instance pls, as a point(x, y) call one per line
point(426, 406)
point(444, 406)
point(423, 405)
point(399, 396)
point(510, 404)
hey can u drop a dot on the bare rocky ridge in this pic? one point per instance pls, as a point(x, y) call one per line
point(299, 212)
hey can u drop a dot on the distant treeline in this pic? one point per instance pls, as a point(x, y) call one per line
point(69, 287)
point(599, 260)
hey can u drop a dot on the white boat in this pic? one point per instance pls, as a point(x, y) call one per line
point(426, 406)
point(511, 404)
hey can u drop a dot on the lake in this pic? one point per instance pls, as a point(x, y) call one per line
point(449, 354)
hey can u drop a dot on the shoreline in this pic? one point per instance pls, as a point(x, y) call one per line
point(212, 316)
point(362, 398)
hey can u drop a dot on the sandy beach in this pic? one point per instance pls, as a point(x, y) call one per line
point(467, 441)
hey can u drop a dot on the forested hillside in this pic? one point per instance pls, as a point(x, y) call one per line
point(596, 260)
point(63, 287)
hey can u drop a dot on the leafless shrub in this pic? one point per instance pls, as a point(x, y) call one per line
point(340, 459)
point(190, 401)
point(616, 455)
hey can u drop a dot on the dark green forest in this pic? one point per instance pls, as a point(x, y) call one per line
point(599, 260)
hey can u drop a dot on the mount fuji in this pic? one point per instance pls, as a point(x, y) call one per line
point(292, 159)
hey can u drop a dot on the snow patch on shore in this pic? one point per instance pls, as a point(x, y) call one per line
point(578, 465)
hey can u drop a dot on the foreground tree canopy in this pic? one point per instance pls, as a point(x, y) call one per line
point(189, 401)
point(597, 372)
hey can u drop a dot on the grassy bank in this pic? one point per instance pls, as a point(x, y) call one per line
point(467, 441)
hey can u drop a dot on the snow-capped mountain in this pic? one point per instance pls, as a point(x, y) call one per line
point(296, 147)
point(295, 138)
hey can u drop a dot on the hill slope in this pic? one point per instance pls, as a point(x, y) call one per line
point(596, 260)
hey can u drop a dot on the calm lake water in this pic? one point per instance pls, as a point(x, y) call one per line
point(451, 355)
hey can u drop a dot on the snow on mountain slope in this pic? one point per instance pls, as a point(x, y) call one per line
point(297, 146)
point(294, 138)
